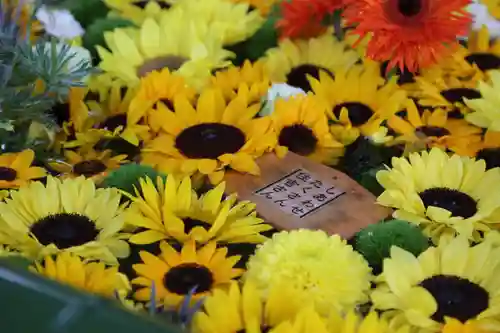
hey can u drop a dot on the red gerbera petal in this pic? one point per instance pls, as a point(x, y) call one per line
point(411, 33)
point(303, 18)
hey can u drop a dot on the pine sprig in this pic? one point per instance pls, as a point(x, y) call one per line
point(34, 76)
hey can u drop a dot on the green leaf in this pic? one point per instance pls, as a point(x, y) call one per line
point(87, 11)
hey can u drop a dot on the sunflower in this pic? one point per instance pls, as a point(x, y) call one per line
point(210, 136)
point(92, 277)
point(242, 309)
point(173, 43)
point(484, 108)
point(444, 195)
point(157, 88)
point(448, 93)
point(358, 100)
point(482, 50)
point(138, 11)
point(493, 7)
point(292, 61)
point(488, 150)
point(65, 215)
point(452, 325)
point(409, 33)
point(174, 210)
point(250, 79)
point(174, 275)
point(16, 169)
point(234, 22)
point(452, 280)
point(263, 6)
point(88, 163)
point(310, 260)
point(434, 129)
point(73, 114)
point(301, 126)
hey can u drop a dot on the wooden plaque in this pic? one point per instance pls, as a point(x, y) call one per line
point(296, 192)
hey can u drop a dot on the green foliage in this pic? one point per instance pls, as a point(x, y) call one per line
point(94, 35)
point(128, 175)
point(87, 11)
point(33, 78)
point(375, 241)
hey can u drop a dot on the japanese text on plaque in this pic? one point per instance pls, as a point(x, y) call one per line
point(300, 193)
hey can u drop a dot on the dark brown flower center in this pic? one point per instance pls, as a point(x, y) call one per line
point(64, 230)
point(190, 223)
point(263, 329)
point(210, 140)
point(113, 122)
point(404, 76)
point(456, 297)
point(89, 168)
point(484, 61)
point(7, 174)
point(454, 201)
point(173, 63)
point(358, 113)
point(299, 139)
point(491, 156)
point(409, 8)
point(298, 76)
point(143, 3)
point(433, 131)
point(60, 113)
point(183, 278)
point(457, 95)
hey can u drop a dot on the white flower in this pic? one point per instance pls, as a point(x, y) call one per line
point(59, 23)
point(278, 90)
point(481, 16)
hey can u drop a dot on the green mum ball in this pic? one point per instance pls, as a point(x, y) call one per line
point(128, 175)
point(375, 241)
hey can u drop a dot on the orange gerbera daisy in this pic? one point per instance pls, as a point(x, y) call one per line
point(411, 33)
point(303, 18)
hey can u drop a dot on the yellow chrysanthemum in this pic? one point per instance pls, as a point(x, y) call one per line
point(173, 42)
point(138, 11)
point(92, 277)
point(453, 325)
point(235, 22)
point(175, 275)
point(16, 170)
point(322, 269)
point(453, 280)
point(263, 6)
point(444, 195)
point(65, 215)
point(242, 309)
point(173, 210)
point(293, 61)
point(301, 126)
point(358, 100)
point(446, 92)
point(88, 162)
point(209, 136)
point(157, 87)
point(249, 79)
point(485, 111)
point(433, 129)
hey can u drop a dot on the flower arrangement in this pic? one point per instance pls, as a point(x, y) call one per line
point(120, 121)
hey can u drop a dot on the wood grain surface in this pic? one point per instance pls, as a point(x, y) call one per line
point(345, 215)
